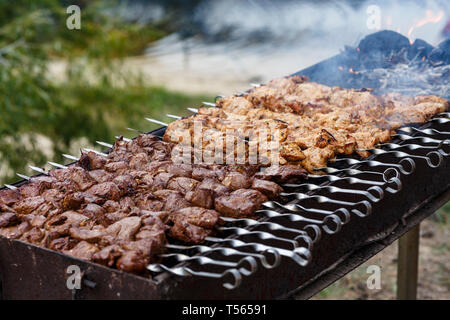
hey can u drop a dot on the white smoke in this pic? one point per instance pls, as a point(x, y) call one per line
point(258, 40)
point(336, 23)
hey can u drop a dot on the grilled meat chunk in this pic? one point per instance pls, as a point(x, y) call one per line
point(83, 250)
point(133, 261)
point(182, 184)
point(281, 174)
point(268, 188)
point(189, 233)
point(73, 201)
point(92, 161)
point(9, 197)
point(27, 205)
point(201, 197)
point(108, 255)
point(8, 219)
point(236, 180)
point(83, 234)
point(124, 229)
point(240, 203)
point(106, 190)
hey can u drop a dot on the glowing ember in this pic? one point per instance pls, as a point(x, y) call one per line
point(352, 71)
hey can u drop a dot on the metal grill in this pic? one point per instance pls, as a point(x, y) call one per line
point(347, 204)
point(293, 225)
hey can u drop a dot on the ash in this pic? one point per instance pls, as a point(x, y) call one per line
point(411, 79)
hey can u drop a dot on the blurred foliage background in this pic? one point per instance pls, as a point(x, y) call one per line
point(42, 117)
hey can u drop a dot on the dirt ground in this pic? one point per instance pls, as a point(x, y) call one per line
point(434, 269)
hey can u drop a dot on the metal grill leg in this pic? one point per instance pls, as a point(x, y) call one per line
point(408, 261)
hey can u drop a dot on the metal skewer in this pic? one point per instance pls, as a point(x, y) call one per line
point(157, 122)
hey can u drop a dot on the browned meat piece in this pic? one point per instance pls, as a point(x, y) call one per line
point(108, 255)
point(83, 250)
point(15, 231)
point(146, 140)
point(125, 229)
point(90, 198)
point(201, 197)
point(47, 209)
point(92, 161)
point(148, 202)
point(9, 197)
point(34, 235)
point(93, 211)
point(281, 174)
point(139, 161)
point(133, 261)
point(33, 189)
point(48, 181)
point(119, 166)
point(292, 152)
point(198, 216)
point(193, 224)
point(180, 170)
point(73, 201)
point(101, 176)
point(240, 203)
point(106, 190)
point(8, 219)
point(84, 234)
point(53, 196)
point(38, 221)
point(111, 206)
point(236, 180)
point(156, 167)
point(184, 231)
point(77, 175)
point(154, 233)
point(70, 218)
point(126, 184)
point(60, 244)
point(27, 205)
point(200, 173)
point(212, 184)
point(113, 217)
point(269, 188)
point(161, 180)
point(182, 184)
point(174, 200)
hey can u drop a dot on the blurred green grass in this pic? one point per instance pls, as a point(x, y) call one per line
point(443, 214)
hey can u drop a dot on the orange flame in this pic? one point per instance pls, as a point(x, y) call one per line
point(429, 18)
point(352, 71)
point(388, 21)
